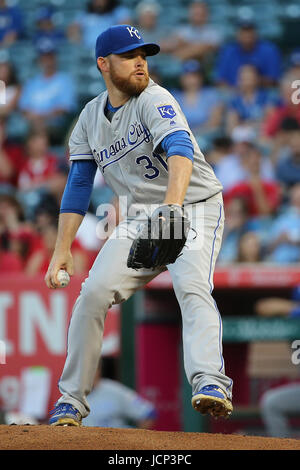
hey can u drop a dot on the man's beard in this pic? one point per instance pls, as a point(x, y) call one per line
point(126, 86)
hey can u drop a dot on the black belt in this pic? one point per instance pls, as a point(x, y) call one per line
point(202, 200)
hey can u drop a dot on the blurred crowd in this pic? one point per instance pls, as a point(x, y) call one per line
point(238, 87)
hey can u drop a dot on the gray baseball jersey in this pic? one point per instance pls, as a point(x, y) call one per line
point(127, 149)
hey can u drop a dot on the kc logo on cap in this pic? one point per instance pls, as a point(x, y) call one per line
point(133, 31)
point(122, 38)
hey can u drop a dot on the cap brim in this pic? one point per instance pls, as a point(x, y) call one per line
point(246, 25)
point(150, 48)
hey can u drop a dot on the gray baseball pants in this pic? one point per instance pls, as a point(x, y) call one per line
point(111, 282)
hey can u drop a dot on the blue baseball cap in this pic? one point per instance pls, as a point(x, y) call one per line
point(244, 23)
point(46, 46)
point(44, 13)
point(122, 38)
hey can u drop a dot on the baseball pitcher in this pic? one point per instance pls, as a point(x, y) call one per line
point(173, 217)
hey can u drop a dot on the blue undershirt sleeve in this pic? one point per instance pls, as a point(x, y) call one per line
point(178, 143)
point(78, 190)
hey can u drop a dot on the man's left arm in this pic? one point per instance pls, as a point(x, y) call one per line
point(180, 156)
point(180, 170)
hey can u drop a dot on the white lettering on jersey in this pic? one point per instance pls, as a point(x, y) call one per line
point(136, 135)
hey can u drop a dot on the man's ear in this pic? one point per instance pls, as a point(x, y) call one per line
point(103, 64)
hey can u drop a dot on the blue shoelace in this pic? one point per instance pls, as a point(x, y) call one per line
point(210, 387)
point(63, 408)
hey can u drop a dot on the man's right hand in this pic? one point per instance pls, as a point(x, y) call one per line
point(59, 261)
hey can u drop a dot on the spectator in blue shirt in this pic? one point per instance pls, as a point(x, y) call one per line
point(198, 38)
point(293, 62)
point(11, 24)
point(48, 99)
point(284, 234)
point(200, 103)
point(250, 103)
point(288, 166)
point(238, 223)
point(248, 48)
point(148, 20)
point(46, 29)
point(99, 15)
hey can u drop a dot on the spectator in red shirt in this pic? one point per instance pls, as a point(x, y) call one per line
point(41, 174)
point(11, 158)
point(10, 213)
point(288, 108)
point(39, 260)
point(262, 196)
point(40, 164)
point(46, 214)
point(10, 263)
point(17, 238)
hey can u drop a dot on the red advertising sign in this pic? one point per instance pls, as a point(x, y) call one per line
point(236, 276)
point(33, 332)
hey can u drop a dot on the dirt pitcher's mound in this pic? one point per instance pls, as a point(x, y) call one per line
point(45, 437)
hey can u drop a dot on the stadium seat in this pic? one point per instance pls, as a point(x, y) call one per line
point(289, 16)
point(25, 5)
point(23, 57)
point(63, 18)
point(221, 11)
point(170, 73)
point(65, 4)
point(290, 10)
point(131, 3)
point(88, 89)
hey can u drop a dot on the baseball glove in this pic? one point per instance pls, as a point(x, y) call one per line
point(160, 241)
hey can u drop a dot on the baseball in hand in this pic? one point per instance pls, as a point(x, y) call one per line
point(63, 278)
